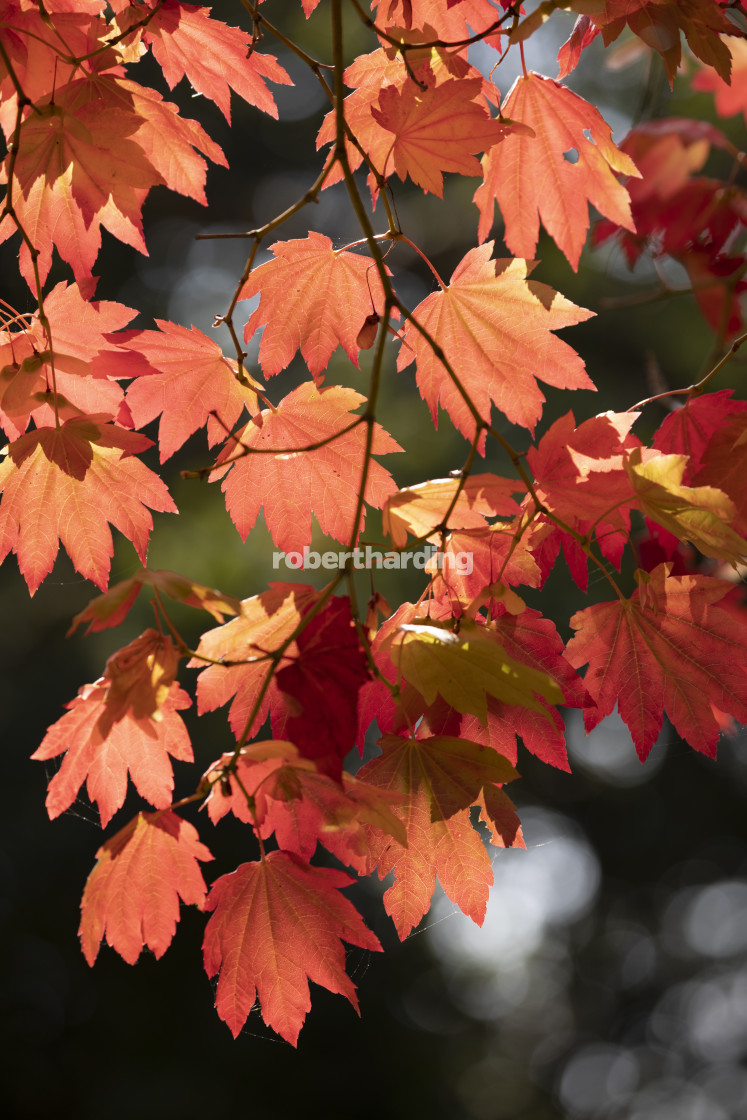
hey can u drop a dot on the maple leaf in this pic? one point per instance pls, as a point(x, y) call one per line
point(674, 647)
point(584, 33)
point(77, 158)
point(436, 129)
point(212, 56)
point(441, 777)
point(723, 463)
point(32, 44)
point(188, 379)
point(466, 667)
point(89, 159)
point(702, 515)
point(565, 456)
point(659, 22)
point(543, 733)
point(301, 806)
point(84, 336)
point(139, 745)
point(266, 622)
point(420, 509)
point(580, 476)
point(531, 180)
point(66, 483)
point(412, 109)
point(276, 925)
point(320, 686)
point(495, 327)
point(290, 486)
point(113, 606)
point(132, 894)
point(170, 142)
point(498, 556)
point(450, 21)
point(692, 219)
point(533, 641)
point(313, 299)
point(730, 96)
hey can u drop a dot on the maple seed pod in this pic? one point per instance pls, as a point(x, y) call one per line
point(367, 333)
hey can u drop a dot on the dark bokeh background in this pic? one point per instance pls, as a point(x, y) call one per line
point(610, 978)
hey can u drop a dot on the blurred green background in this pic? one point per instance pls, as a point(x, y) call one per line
point(610, 978)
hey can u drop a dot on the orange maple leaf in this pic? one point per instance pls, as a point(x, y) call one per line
point(65, 484)
point(188, 382)
point(291, 486)
point(312, 299)
point(441, 777)
point(420, 509)
point(139, 745)
point(531, 179)
point(495, 327)
point(89, 158)
point(436, 129)
point(78, 366)
point(412, 110)
point(132, 895)
point(731, 98)
point(243, 644)
point(450, 21)
point(278, 924)
point(112, 607)
point(214, 57)
point(300, 805)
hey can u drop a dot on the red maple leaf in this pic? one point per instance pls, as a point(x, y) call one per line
point(278, 924)
point(584, 33)
point(674, 646)
point(312, 299)
point(531, 180)
point(132, 895)
point(593, 503)
point(65, 484)
point(320, 687)
point(659, 22)
point(688, 430)
point(495, 326)
point(290, 486)
point(724, 461)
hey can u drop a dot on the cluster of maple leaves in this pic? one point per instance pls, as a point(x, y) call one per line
point(454, 679)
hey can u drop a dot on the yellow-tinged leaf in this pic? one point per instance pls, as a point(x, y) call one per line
point(421, 509)
point(699, 514)
point(467, 667)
